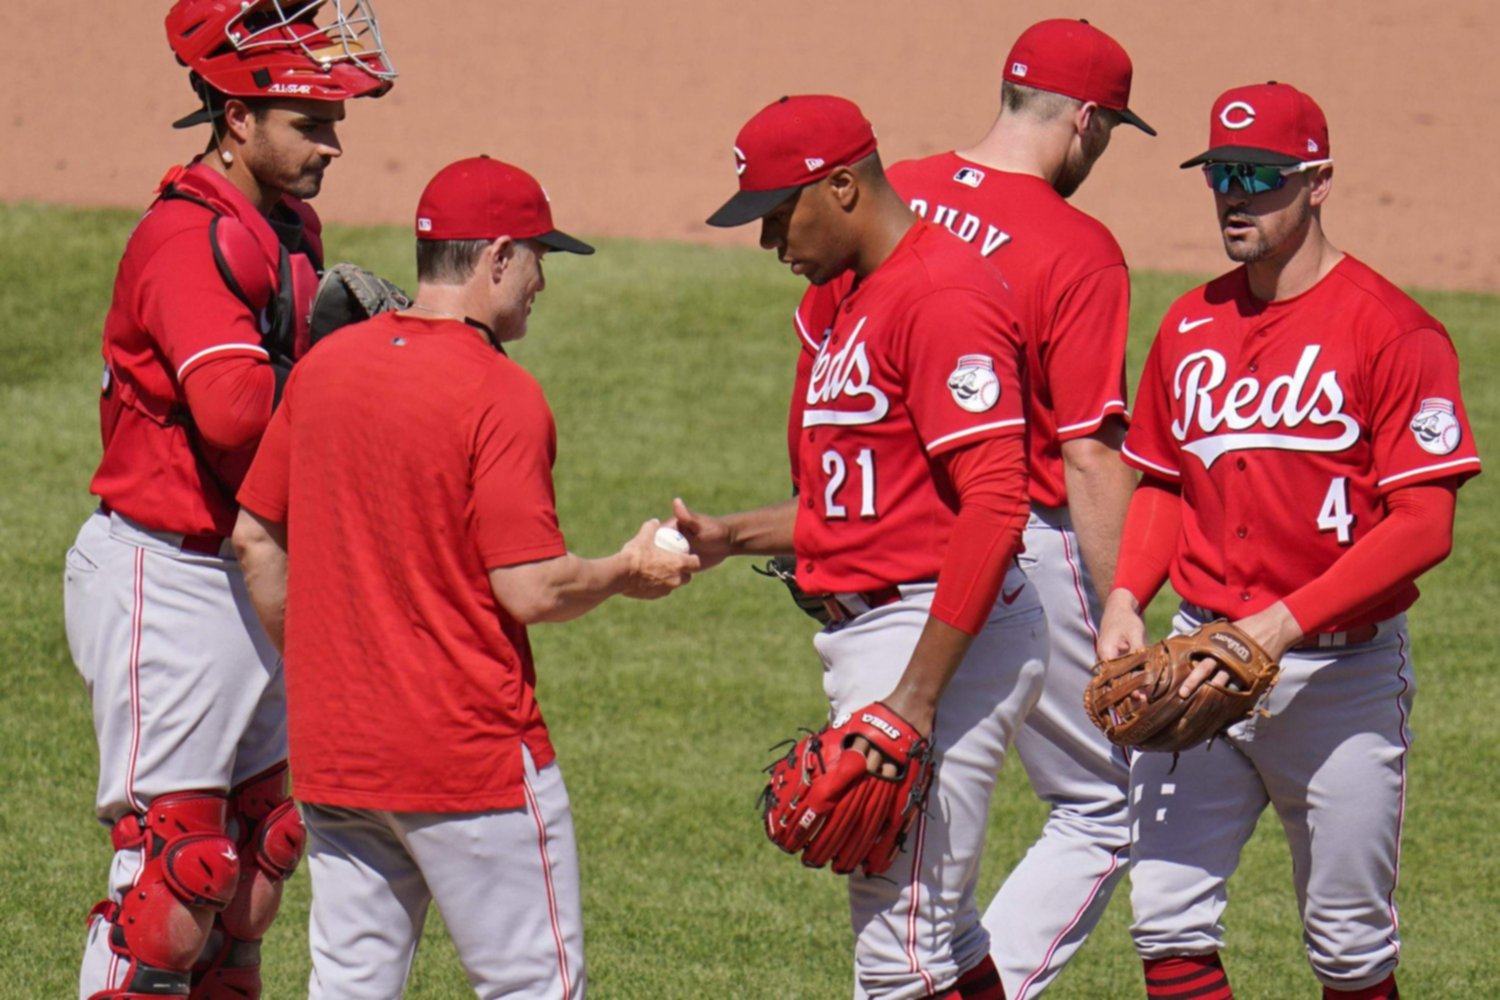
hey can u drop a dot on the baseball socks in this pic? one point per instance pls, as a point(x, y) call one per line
point(1383, 990)
point(1187, 977)
point(980, 983)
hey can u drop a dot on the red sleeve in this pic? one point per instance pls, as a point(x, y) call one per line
point(183, 300)
point(230, 398)
point(1152, 527)
point(990, 479)
point(1415, 535)
point(1150, 446)
point(267, 486)
point(1420, 428)
point(1085, 354)
point(963, 369)
point(513, 515)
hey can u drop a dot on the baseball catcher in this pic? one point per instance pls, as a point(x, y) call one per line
point(1136, 699)
point(823, 800)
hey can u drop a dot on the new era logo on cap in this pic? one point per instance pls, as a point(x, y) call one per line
point(788, 145)
point(1077, 60)
point(1272, 124)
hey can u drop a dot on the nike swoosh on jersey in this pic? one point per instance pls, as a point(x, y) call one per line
point(1184, 325)
point(1010, 598)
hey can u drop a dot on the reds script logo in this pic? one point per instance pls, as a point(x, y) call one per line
point(1251, 412)
point(844, 375)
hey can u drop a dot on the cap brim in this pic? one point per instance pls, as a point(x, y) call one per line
point(558, 240)
point(1131, 118)
point(1242, 154)
point(200, 117)
point(747, 206)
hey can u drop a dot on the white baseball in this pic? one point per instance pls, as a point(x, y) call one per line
point(672, 540)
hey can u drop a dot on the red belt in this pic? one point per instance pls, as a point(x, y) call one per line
point(1332, 640)
point(205, 545)
point(1310, 643)
point(845, 607)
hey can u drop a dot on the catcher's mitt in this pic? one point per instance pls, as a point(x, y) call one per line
point(1134, 699)
point(784, 568)
point(821, 799)
point(347, 293)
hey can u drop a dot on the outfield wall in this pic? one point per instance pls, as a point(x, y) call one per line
point(627, 110)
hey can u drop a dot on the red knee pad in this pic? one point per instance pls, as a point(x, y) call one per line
point(190, 867)
point(271, 833)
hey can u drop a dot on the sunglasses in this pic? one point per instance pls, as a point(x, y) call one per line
point(1254, 178)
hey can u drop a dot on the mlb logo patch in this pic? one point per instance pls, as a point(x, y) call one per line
point(424, 225)
point(1017, 69)
point(970, 176)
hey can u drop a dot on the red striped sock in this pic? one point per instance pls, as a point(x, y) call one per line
point(1187, 977)
point(980, 983)
point(1383, 990)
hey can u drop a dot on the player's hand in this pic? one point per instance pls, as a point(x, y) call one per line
point(1121, 628)
point(654, 571)
point(709, 537)
point(1274, 628)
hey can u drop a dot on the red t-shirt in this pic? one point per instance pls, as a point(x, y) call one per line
point(1071, 292)
point(171, 312)
point(921, 357)
point(1286, 423)
point(407, 458)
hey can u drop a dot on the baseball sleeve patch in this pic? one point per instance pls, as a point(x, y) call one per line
point(974, 384)
point(1436, 428)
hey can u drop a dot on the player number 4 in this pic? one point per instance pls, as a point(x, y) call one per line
point(837, 471)
point(1334, 515)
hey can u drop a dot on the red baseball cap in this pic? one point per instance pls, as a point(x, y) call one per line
point(484, 199)
point(1266, 123)
point(789, 145)
point(1077, 60)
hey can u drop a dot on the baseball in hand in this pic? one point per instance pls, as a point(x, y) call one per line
point(672, 540)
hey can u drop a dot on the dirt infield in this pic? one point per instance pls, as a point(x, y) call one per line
point(627, 111)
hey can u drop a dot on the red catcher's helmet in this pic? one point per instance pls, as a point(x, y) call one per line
point(276, 48)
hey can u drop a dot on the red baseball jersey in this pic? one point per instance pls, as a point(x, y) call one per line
point(1070, 287)
point(1286, 423)
point(408, 457)
point(171, 311)
point(922, 356)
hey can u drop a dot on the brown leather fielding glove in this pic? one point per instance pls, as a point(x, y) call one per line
point(1133, 698)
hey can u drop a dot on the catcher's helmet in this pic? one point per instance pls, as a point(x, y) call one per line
point(276, 48)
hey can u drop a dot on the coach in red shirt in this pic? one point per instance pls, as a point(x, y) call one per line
point(398, 535)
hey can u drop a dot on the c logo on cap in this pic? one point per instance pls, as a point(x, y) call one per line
point(739, 162)
point(1245, 120)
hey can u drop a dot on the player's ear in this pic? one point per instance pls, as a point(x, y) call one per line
point(497, 257)
point(238, 120)
point(1320, 184)
point(844, 186)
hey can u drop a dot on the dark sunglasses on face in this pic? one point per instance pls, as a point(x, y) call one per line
point(1254, 178)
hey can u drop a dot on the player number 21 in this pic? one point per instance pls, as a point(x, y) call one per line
point(1335, 516)
point(837, 471)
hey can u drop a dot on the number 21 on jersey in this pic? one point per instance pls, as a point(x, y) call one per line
point(838, 493)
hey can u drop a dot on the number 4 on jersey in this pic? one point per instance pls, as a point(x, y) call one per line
point(837, 471)
point(1334, 515)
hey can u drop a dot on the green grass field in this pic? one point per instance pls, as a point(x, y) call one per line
point(667, 367)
